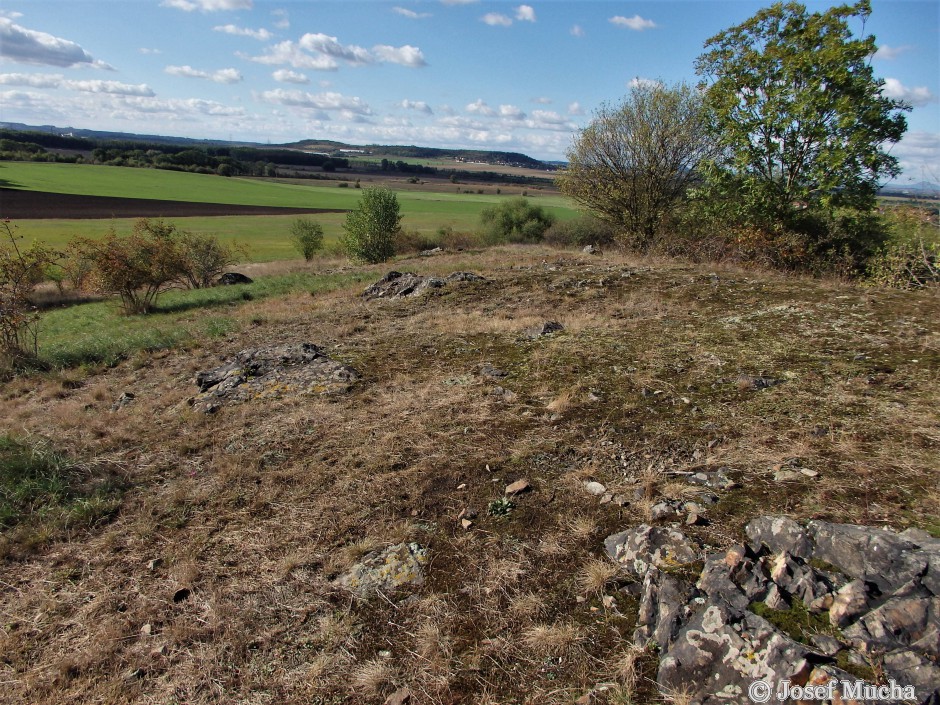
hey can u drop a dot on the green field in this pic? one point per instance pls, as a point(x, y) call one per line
point(264, 237)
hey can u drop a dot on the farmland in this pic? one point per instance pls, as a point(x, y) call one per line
point(265, 237)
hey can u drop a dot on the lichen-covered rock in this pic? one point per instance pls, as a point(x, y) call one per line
point(283, 370)
point(664, 608)
point(396, 285)
point(779, 534)
point(401, 564)
point(638, 549)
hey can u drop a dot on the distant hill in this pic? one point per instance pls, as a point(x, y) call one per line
point(308, 145)
point(924, 189)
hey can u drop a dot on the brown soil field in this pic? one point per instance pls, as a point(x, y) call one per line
point(23, 205)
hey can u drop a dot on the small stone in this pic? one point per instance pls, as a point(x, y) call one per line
point(827, 645)
point(154, 563)
point(786, 476)
point(607, 498)
point(620, 500)
point(694, 519)
point(466, 524)
point(663, 510)
point(808, 472)
point(385, 653)
point(462, 486)
point(402, 696)
point(608, 601)
point(848, 603)
point(146, 630)
point(594, 488)
point(518, 487)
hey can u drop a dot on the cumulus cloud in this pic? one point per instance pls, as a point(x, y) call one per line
point(418, 105)
point(28, 46)
point(576, 31)
point(575, 108)
point(31, 80)
point(919, 154)
point(887, 53)
point(917, 96)
point(638, 82)
point(406, 55)
point(220, 76)
point(479, 107)
point(525, 13)
point(496, 19)
point(327, 101)
point(511, 112)
point(259, 34)
point(207, 5)
point(288, 76)
point(287, 52)
point(283, 20)
point(410, 14)
point(330, 46)
point(636, 23)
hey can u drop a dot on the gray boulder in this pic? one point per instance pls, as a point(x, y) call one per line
point(398, 565)
point(638, 549)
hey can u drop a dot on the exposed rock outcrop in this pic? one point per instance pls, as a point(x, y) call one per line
point(397, 565)
point(283, 370)
point(396, 285)
point(877, 588)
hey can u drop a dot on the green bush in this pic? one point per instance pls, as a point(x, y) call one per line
point(413, 241)
point(307, 236)
point(906, 264)
point(579, 232)
point(370, 230)
point(515, 220)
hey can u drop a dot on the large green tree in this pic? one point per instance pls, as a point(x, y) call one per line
point(634, 162)
point(797, 109)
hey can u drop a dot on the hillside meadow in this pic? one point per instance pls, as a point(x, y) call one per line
point(264, 238)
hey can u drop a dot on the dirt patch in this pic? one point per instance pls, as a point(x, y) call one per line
point(37, 205)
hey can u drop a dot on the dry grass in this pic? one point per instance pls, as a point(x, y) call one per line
point(256, 509)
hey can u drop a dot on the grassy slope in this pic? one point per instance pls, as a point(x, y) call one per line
point(266, 237)
point(257, 508)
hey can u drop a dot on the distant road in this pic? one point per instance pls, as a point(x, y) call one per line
point(33, 205)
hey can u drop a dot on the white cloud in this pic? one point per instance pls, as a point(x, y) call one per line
point(283, 20)
point(576, 31)
point(511, 112)
point(27, 46)
point(207, 5)
point(418, 105)
point(288, 76)
point(917, 96)
point(459, 2)
point(638, 82)
point(548, 117)
point(404, 55)
point(479, 107)
point(525, 13)
point(110, 87)
point(259, 34)
point(919, 155)
point(411, 14)
point(636, 23)
point(575, 108)
point(317, 101)
point(220, 76)
point(887, 53)
point(32, 80)
point(330, 46)
point(287, 52)
point(145, 50)
point(542, 100)
point(11, 14)
point(496, 19)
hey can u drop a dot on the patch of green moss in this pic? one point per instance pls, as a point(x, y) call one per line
point(797, 622)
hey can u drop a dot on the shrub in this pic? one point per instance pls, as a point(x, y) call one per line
point(450, 239)
point(515, 220)
point(137, 267)
point(906, 264)
point(370, 230)
point(20, 271)
point(413, 241)
point(203, 259)
point(579, 232)
point(307, 236)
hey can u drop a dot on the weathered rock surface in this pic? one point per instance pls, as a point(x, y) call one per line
point(401, 564)
point(876, 585)
point(283, 370)
point(397, 285)
point(231, 278)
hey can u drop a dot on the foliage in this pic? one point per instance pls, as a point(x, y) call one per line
point(137, 267)
point(911, 258)
point(634, 162)
point(411, 241)
point(579, 232)
point(20, 271)
point(515, 220)
point(798, 113)
point(203, 259)
point(370, 230)
point(307, 236)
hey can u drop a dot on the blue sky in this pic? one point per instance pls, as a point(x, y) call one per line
point(446, 73)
